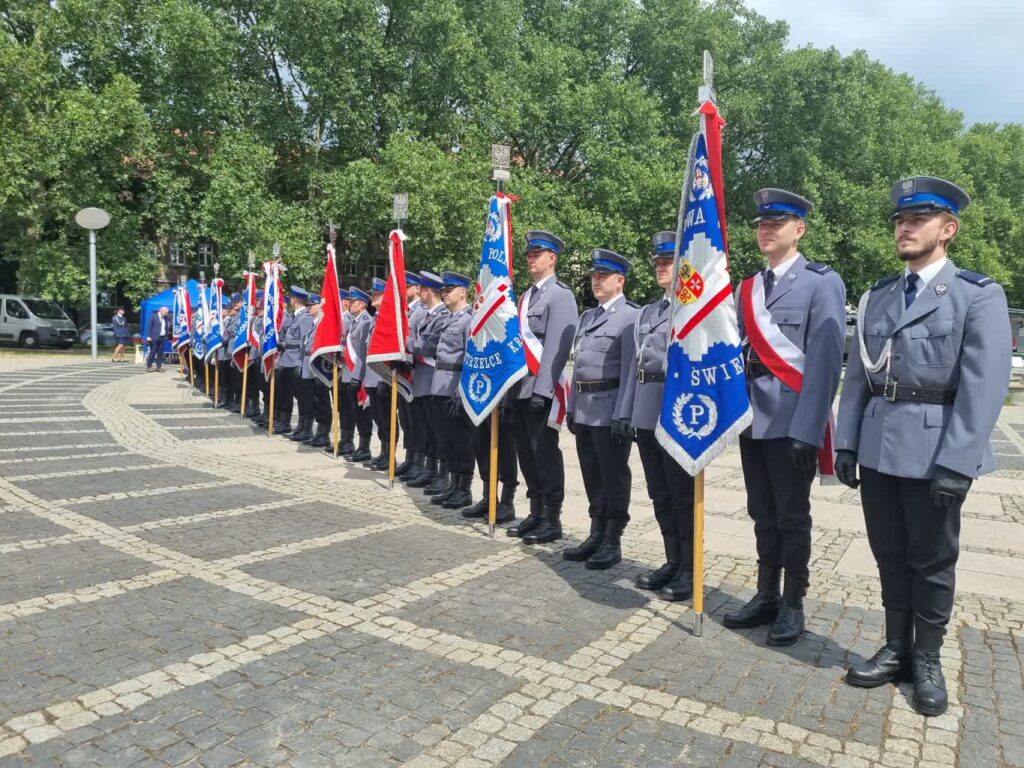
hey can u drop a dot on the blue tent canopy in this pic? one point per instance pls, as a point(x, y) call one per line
point(166, 299)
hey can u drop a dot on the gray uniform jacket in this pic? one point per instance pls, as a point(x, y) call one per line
point(598, 348)
point(954, 336)
point(227, 333)
point(451, 351)
point(424, 344)
point(292, 334)
point(365, 373)
point(359, 330)
point(255, 354)
point(347, 323)
point(809, 306)
point(307, 345)
point(552, 318)
point(646, 349)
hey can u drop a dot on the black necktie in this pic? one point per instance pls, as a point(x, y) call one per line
point(533, 293)
point(664, 304)
point(597, 314)
point(910, 290)
point(769, 283)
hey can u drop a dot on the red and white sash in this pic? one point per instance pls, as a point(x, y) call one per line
point(534, 348)
point(783, 358)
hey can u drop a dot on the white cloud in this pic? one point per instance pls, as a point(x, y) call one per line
point(969, 53)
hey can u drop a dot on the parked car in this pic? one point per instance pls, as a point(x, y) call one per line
point(32, 322)
point(105, 334)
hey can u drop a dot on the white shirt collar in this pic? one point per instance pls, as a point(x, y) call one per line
point(300, 310)
point(783, 268)
point(607, 305)
point(540, 284)
point(927, 274)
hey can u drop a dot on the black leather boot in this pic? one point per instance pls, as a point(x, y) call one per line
point(380, 464)
point(610, 551)
point(251, 410)
point(930, 697)
point(478, 510)
point(362, 453)
point(589, 545)
point(284, 426)
point(426, 477)
point(418, 468)
point(302, 431)
point(441, 484)
point(891, 664)
point(550, 528)
point(763, 606)
point(531, 521)
point(462, 496)
point(320, 437)
point(408, 466)
point(788, 626)
point(506, 511)
point(681, 585)
point(656, 579)
point(347, 446)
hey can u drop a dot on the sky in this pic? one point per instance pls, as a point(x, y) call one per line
point(969, 53)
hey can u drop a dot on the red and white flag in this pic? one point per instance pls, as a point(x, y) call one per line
point(534, 353)
point(327, 338)
point(387, 344)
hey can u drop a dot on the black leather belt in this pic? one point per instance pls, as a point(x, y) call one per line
point(601, 385)
point(894, 392)
point(645, 377)
point(448, 366)
point(756, 368)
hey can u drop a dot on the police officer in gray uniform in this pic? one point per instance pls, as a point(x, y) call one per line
point(304, 383)
point(807, 303)
point(377, 388)
point(227, 333)
point(669, 487)
point(923, 390)
point(452, 425)
point(423, 346)
point(289, 362)
point(358, 335)
point(551, 317)
point(598, 383)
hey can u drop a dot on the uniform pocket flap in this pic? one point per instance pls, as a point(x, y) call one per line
point(788, 317)
point(931, 330)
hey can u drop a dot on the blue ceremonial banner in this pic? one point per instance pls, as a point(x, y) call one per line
point(495, 358)
point(273, 306)
point(214, 339)
point(705, 404)
point(182, 312)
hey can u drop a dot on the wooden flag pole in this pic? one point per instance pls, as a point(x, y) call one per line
point(245, 384)
point(270, 410)
point(394, 429)
point(492, 478)
point(191, 373)
point(698, 554)
point(206, 369)
point(216, 385)
point(336, 421)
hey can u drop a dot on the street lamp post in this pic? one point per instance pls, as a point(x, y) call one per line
point(93, 219)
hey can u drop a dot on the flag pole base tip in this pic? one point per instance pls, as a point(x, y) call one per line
point(698, 624)
point(490, 530)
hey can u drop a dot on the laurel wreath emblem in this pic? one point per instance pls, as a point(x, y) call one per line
point(677, 416)
point(479, 394)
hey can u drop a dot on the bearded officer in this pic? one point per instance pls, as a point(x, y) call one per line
point(452, 425)
point(669, 487)
point(548, 315)
point(798, 309)
point(923, 390)
point(423, 347)
point(598, 382)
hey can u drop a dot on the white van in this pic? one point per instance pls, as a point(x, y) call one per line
point(32, 322)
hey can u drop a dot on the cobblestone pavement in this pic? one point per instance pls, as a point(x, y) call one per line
point(176, 589)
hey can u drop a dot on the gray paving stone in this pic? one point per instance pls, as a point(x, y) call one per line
point(372, 564)
point(72, 465)
point(259, 530)
point(63, 567)
point(97, 483)
point(17, 525)
point(147, 508)
point(550, 611)
point(121, 637)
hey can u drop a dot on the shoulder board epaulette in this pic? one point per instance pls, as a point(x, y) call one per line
point(563, 285)
point(632, 304)
point(821, 269)
point(975, 277)
point(885, 281)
